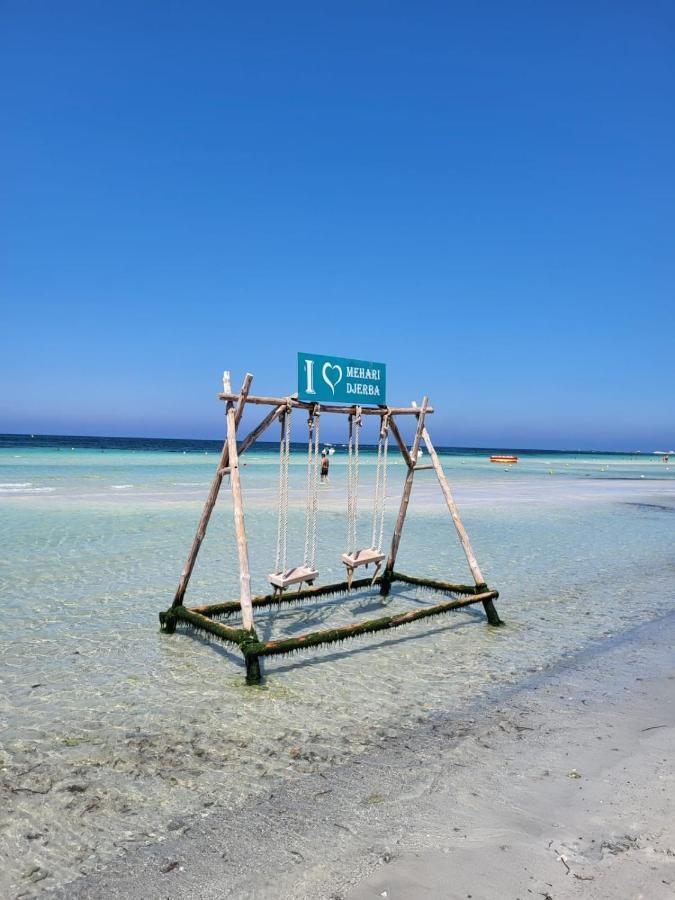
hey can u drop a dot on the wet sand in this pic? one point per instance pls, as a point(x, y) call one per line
point(562, 787)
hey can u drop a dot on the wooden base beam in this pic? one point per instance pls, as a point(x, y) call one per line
point(233, 607)
point(443, 586)
point(237, 636)
point(333, 635)
point(253, 649)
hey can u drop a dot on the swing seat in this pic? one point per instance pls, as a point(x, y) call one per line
point(362, 557)
point(296, 575)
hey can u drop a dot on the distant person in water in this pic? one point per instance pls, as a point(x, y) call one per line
point(325, 463)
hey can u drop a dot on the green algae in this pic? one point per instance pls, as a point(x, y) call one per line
point(253, 649)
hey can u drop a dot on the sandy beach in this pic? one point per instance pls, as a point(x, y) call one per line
point(563, 788)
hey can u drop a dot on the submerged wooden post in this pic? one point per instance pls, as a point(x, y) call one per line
point(385, 584)
point(490, 610)
point(210, 501)
point(239, 527)
point(253, 673)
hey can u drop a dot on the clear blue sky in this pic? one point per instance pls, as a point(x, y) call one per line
point(481, 195)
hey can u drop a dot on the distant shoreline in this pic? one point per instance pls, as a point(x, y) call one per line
point(166, 444)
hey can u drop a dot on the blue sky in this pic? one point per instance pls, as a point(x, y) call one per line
point(480, 195)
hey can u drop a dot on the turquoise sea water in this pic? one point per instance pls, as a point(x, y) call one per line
point(113, 734)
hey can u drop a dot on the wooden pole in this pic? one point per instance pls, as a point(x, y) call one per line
point(490, 611)
point(210, 501)
point(225, 632)
point(385, 584)
point(454, 512)
point(344, 410)
point(255, 434)
point(239, 527)
point(393, 427)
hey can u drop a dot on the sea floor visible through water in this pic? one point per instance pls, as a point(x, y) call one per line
point(114, 735)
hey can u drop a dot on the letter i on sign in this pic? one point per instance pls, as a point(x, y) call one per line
point(309, 372)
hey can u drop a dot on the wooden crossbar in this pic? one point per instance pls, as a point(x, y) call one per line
point(343, 410)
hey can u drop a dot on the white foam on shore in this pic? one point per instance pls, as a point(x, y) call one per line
point(26, 488)
point(120, 487)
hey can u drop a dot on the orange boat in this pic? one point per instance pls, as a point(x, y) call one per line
point(504, 459)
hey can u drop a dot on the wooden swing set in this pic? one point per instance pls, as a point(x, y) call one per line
point(207, 618)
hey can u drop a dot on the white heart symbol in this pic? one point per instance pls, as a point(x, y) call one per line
point(324, 374)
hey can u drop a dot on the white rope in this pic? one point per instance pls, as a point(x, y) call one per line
point(349, 483)
point(284, 458)
point(377, 533)
point(308, 490)
point(315, 491)
point(376, 498)
point(312, 489)
point(353, 478)
point(383, 483)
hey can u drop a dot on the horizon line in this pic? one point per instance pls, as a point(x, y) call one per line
point(332, 443)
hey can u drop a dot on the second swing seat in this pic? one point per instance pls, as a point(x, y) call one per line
point(362, 558)
point(297, 575)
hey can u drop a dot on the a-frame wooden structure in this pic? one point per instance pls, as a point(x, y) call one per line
point(207, 618)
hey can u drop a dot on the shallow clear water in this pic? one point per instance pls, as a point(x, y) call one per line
point(113, 733)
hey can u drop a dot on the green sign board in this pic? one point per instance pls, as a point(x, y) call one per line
point(333, 379)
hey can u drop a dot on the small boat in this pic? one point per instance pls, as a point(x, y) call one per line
point(511, 460)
